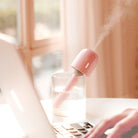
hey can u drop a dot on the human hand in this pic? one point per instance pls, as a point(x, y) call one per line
point(120, 123)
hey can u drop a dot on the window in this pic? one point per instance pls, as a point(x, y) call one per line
point(43, 67)
point(47, 18)
point(40, 39)
point(8, 17)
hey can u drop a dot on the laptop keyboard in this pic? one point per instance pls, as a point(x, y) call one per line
point(78, 130)
point(73, 130)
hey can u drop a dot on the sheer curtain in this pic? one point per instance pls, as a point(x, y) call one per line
point(116, 74)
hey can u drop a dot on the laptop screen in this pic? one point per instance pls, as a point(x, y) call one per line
point(17, 90)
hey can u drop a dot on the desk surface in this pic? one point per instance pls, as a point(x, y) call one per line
point(98, 108)
point(104, 107)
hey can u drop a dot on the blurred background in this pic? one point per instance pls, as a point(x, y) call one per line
point(8, 17)
point(50, 33)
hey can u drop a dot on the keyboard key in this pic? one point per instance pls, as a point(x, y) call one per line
point(60, 129)
point(77, 134)
point(83, 131)
point(67, 126)
point(88, 124)
point(77, 126)
point(73, 131)
point(87, 127)
point(63, 132)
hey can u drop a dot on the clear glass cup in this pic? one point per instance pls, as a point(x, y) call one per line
point(74, 106)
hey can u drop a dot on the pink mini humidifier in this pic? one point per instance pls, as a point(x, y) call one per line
point(84, 63)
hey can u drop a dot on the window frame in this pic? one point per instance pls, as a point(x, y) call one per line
point(36, 47)
point(28, 46)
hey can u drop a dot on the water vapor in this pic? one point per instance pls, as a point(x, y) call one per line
point(122, 8)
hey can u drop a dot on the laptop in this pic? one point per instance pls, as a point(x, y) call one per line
point(17, 90)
